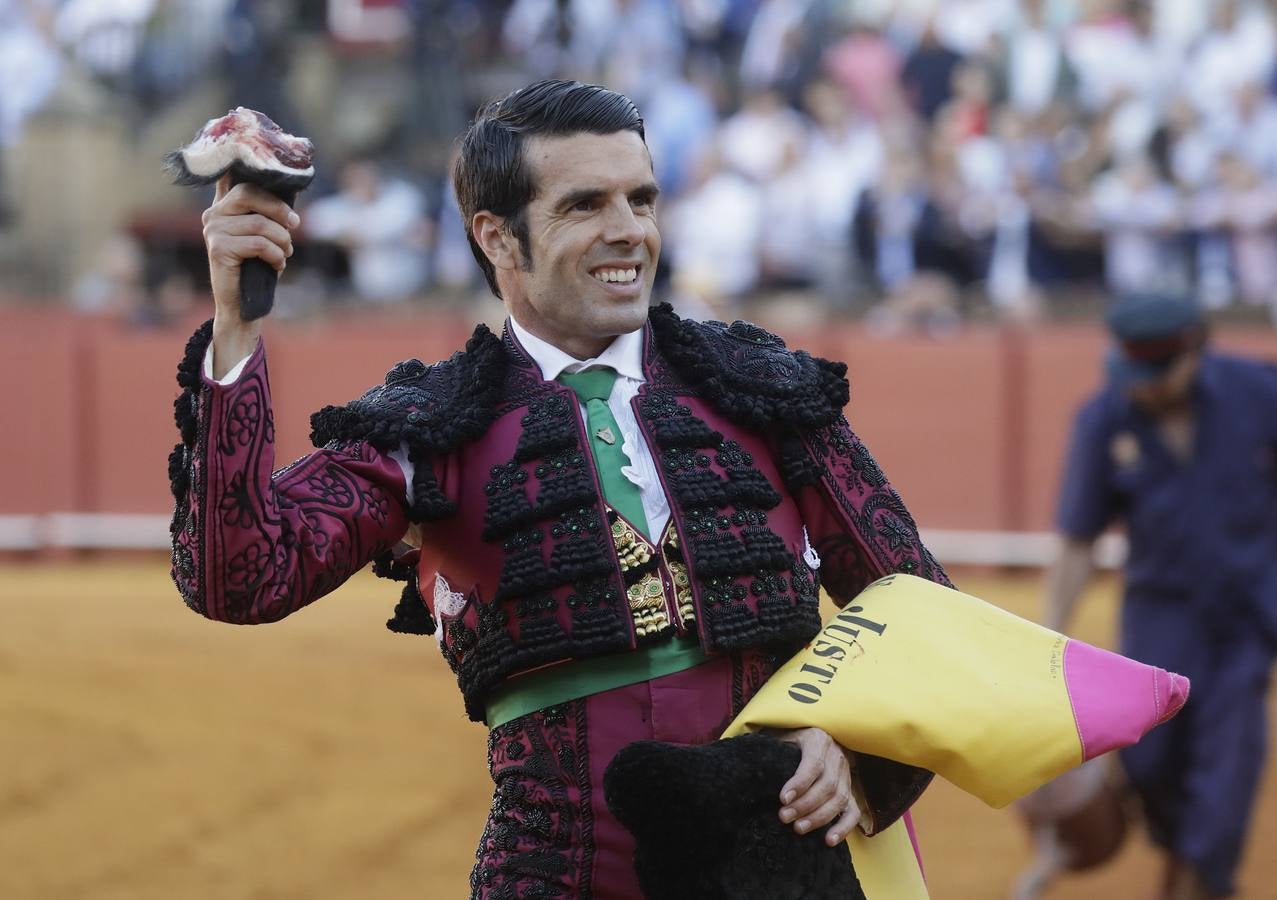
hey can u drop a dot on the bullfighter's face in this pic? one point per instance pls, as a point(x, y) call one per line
point(593, 239)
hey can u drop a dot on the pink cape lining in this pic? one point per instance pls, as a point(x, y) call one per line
point(1116, 700)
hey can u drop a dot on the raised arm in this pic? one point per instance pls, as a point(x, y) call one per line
point(250, 545)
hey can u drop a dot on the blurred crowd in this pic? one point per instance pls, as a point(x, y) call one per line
point(914, 160)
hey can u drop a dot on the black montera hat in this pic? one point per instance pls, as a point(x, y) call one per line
point(707, 827)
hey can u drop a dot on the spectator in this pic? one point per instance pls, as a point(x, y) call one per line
point(643, 48)
point(713, 234)
point(844, 159)
point(114, 283)
point(1035, 68)
point(29, 65)
point(1249, 124)
point(104, 36)
point(1097, 46)
point(889, 217)
point(773, 39)
point(1138, 213)
point(257, 59)
point(680, 117)
point(753, 141)
point(564, 36)
point(1237, 49)
point(1240, 211)
point(928, 73)
point(785, 242)
point(380, 223)
point(1191, 146)
point(867, 68)
point(453, 259)
point(968, 26)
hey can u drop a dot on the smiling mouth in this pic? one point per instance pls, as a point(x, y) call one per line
point(616, 276)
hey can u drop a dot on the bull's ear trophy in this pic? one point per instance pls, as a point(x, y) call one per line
point(252, 148)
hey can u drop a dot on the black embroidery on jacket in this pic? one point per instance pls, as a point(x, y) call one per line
point(183, 471)
point(884, 527)
point(748, 374)
point(411, 615)
point(432, 410)
point(539, 836)
point(732, 550)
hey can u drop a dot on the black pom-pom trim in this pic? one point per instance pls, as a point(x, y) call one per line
point(184, 407)
point(411, 616)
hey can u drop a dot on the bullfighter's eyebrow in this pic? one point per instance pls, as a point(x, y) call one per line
point(647, 192)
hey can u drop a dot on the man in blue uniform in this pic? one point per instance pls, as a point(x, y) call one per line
point(1181, 445)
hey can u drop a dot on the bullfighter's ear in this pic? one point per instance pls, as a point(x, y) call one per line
point(495, 240)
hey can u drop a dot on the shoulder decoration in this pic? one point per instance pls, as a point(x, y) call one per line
point(436, 407)
point(749, 374)
point(431, 410)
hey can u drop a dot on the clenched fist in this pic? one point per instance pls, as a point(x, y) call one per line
point(245, 222)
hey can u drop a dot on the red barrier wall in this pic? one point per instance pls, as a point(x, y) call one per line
point(971, 429)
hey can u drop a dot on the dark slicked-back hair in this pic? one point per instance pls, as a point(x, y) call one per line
point(491, 172)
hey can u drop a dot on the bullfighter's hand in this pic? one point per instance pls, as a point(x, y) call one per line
point(245, 221)
point(820, 791)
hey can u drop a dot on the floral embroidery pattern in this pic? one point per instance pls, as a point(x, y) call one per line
point(241, 424)
point(237, 508)
point(330, 487)
point(247, 568)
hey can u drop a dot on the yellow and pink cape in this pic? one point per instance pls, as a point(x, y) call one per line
point(932, 677)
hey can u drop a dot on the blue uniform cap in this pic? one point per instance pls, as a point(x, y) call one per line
point(1151, 331)
point(1151, 317)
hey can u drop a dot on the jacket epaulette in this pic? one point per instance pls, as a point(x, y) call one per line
point(431, 410)
point(435, 407)
point(748, 373)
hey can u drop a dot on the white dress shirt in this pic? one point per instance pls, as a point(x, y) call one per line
point(625, 355)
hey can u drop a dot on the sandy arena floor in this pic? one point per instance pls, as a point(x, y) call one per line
point(148, 753)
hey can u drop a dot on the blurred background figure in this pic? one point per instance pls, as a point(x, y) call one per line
point(379, 222)
point(1181, 445)
point(1060, 149)
point(29, 71)
point(1138, 214)
point(712, 236)
point(1077, 822)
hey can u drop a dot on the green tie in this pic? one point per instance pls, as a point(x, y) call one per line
point(593, 387)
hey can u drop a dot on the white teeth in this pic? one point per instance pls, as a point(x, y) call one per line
point(620, 276)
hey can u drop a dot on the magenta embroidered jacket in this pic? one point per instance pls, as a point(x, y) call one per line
point(771, 496)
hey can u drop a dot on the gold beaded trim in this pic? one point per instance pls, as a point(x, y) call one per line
point(683, 591)
point(678, 573)
point(647, 595)
point(647, 605)
point(631, 548)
